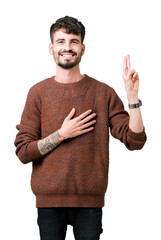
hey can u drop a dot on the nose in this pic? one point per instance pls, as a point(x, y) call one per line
point(67, 45)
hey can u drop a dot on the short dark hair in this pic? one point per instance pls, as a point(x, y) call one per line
point(72, 25)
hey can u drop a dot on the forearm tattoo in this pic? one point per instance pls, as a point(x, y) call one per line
point(49, 143)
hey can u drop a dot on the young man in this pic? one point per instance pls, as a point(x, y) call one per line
point(64, 132)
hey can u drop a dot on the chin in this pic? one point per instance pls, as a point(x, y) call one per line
point(67, 65)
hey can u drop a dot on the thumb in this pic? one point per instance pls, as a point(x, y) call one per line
point(70, 115)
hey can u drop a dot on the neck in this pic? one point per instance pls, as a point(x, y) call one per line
point(68, 75)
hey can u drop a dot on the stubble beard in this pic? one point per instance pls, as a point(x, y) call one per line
point(68, 64)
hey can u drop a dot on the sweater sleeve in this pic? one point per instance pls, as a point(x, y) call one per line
point(119, 125)
point(29, 129)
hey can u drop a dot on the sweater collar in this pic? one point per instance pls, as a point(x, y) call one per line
point(70, 85)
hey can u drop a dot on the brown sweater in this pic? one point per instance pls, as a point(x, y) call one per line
point(75, 173)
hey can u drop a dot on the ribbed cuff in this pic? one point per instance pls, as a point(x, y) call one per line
point(30, 153)
point(33, 150)
point(141, 136)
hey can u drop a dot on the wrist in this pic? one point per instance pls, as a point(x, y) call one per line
point(61, 135)
point(132, 99)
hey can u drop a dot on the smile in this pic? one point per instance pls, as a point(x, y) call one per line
point(65, 55)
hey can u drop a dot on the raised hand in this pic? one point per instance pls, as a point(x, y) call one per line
point(131, 79)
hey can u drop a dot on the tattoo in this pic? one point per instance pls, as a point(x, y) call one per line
point(49, 143)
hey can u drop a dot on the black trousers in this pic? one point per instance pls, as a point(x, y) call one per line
point(86, 222)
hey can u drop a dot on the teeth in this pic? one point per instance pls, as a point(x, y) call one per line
point(67, 55)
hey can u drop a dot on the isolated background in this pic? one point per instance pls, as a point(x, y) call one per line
point(113, 29)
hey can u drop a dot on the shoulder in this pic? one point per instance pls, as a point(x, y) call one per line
point(101, 85)
point(37, 87)
point(37, 90)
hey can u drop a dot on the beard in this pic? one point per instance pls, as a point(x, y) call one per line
point(67, 64)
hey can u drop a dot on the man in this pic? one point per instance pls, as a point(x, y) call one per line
point(64, 132)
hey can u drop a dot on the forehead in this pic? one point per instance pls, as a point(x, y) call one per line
point(61, 33)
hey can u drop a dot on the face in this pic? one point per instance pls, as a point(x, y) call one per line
point(66, 49)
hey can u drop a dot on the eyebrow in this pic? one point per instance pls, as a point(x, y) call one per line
point(73, 39)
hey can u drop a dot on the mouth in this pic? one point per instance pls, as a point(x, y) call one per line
point(67, 55)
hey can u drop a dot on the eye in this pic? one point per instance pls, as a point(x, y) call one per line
point(74, 41)
point(60, 41)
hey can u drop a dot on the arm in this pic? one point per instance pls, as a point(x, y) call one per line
point(129, 129)
point(28, 142)
point(131, 81)
point(120, 126)
point(70, 128)
point(49, 143)
point(136, 122)
point(29, 147)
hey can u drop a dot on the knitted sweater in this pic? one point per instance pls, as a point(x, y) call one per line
point(75, 173)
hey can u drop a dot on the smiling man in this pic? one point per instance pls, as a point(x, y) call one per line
point(64, 132)
point(67, 49)
point(67, 58)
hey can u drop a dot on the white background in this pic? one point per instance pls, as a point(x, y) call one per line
point(113, 29)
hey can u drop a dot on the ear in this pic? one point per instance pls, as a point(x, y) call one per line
point(51, 48)
point(83, 49)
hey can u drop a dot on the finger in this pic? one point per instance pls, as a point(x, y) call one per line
point(70, 115)
point(83, 114)
point(131, 73)
point(88, 118)
point(136, 76)
point(86, 130)
point(88, 124)
point(124, 65)
point(128, 62)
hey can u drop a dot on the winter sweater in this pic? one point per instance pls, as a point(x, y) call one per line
point(75, 173)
